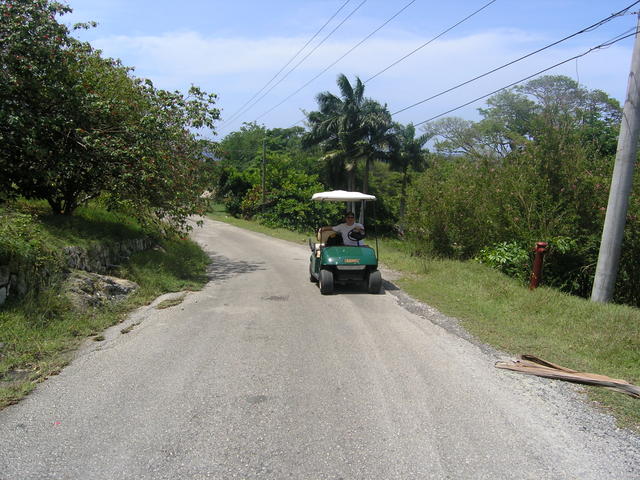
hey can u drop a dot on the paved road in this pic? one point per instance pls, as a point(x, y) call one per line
point(258, 376)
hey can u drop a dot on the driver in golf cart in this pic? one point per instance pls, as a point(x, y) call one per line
point(351, 231)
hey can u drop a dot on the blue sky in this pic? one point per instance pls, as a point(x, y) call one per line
point(232, 48)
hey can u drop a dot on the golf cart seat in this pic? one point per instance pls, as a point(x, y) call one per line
point(327, 238)
point(334, 240)
point(323, 236)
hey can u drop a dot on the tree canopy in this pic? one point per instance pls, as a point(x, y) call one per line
point(536, 167)
point(75, 125)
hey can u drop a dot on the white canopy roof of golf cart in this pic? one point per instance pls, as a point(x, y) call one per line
point(341, 196)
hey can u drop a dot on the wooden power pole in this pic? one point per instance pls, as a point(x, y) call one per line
point(621, 183)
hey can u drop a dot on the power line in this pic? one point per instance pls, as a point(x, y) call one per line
point(302, 60)
point(290, 60)
point(598, 47)
point(430, 41)
point(340, 58)
point(584, 30)
point(422, 46)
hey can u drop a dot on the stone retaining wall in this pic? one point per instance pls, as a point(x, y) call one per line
point(99, 258)
point(102, 258)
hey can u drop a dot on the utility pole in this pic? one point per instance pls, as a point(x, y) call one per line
point(621, 183)
point(264, 162)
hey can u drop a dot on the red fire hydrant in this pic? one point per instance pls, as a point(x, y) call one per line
point(536, 275)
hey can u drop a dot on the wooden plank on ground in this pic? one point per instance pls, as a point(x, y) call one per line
point(533, 365)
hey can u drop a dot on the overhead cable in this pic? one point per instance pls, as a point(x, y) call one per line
point(340, 58)
point(430, 41)
point(300, 62)
point(584, 30)
point(420, 47)
point(598, 47)
point(290, 60)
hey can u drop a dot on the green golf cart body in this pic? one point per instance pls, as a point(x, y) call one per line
point(333, 263)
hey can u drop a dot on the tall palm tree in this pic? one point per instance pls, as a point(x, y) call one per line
point(348, 128)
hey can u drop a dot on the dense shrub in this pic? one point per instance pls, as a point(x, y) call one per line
point(231, 187)
point(287, 197)
point(508, 257)
point(463, 209)
point(531, 171)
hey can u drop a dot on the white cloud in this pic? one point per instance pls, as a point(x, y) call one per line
point(237, 67)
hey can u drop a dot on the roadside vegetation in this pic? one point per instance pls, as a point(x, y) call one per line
point(89, 153)
point(462, 205)
point(40, 331)
point(535, 168)
point(77, 126)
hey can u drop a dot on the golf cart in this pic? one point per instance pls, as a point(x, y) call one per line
point(332, 262)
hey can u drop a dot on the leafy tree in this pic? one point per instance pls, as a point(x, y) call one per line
point(567, 115)
point(386, 186)
point(288, 195)
point(475, 140)
point(74, 125)
point(232, 185)
point(552, 111)
point(172, 167)
point(289, 141)
point(36, 97)
point(93, 146)
point(536, 168)
point(243, 148)
point(381, 139)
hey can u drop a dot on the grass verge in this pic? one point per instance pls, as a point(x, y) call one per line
point(217, 212)
point(87, 225)
point(499, 311)
point(170, 302)
point(39, 333)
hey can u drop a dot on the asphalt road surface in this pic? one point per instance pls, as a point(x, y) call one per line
point(258, 376)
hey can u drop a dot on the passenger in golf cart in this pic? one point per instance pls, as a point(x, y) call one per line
point(350, 232)
point(343, 258)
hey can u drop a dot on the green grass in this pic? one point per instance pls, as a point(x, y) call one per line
point(499, 311)
point(217, 212)
point(39, 333)
point(91, 224)
point(88, 224)
point(561, 328)
point(177, 265)
point(170, 302)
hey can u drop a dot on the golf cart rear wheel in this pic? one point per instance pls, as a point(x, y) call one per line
point(375, 282)
point(326, 282)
